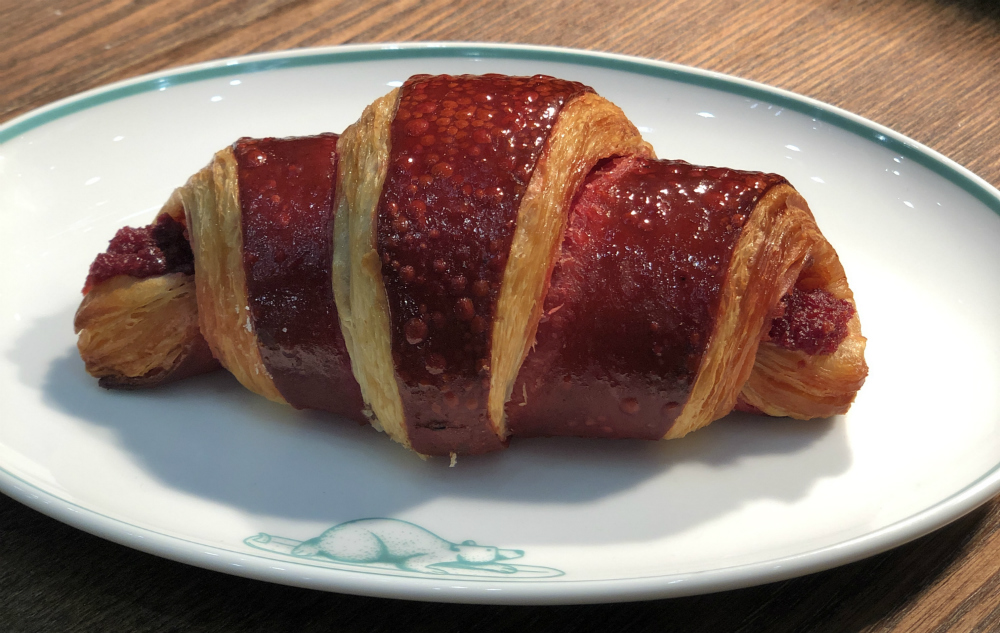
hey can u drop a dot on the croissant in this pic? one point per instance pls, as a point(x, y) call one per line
point(480, 257)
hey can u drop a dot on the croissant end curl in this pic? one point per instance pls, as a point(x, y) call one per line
point(480, 257)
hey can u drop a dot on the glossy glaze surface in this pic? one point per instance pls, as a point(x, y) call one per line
point(157, 249)
point(463, 151)
point(633, 298)
point(286, 193)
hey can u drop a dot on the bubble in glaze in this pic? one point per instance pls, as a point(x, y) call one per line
point(416, 331)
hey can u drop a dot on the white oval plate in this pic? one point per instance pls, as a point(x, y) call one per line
point(207, 473)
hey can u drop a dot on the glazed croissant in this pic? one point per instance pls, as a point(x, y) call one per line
point(479, 257)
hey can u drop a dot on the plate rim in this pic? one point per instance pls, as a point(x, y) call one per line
point(855, 124)
point(563, 591)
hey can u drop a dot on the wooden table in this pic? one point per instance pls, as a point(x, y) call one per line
point(929, 69)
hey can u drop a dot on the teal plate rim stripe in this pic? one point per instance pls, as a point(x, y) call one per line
point(223, 559)
point(922, 155)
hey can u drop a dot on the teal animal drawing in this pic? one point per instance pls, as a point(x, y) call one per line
point(391, 543)
point(405, 545)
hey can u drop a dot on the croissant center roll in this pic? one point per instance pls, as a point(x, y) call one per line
point(481, 257)
point(478, 175)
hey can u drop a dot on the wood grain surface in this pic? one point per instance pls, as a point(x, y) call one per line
point(929, 69)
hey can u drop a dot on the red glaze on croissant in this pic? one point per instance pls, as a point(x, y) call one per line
point(480, 257)
point(286, 200)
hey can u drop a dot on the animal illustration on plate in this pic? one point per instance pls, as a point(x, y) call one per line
point(393, 543)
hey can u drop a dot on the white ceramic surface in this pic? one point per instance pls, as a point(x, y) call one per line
point(194, 471)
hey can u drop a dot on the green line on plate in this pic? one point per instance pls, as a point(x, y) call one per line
point(986, 195)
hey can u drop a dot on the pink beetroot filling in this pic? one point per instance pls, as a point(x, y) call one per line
point(157, 249)
point(814, 321)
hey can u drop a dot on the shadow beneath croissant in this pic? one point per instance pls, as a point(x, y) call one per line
point(209, 437)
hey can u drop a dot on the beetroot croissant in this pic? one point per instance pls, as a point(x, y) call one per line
point(481, 257)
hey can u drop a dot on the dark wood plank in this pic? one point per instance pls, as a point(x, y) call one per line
point(929, 69)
